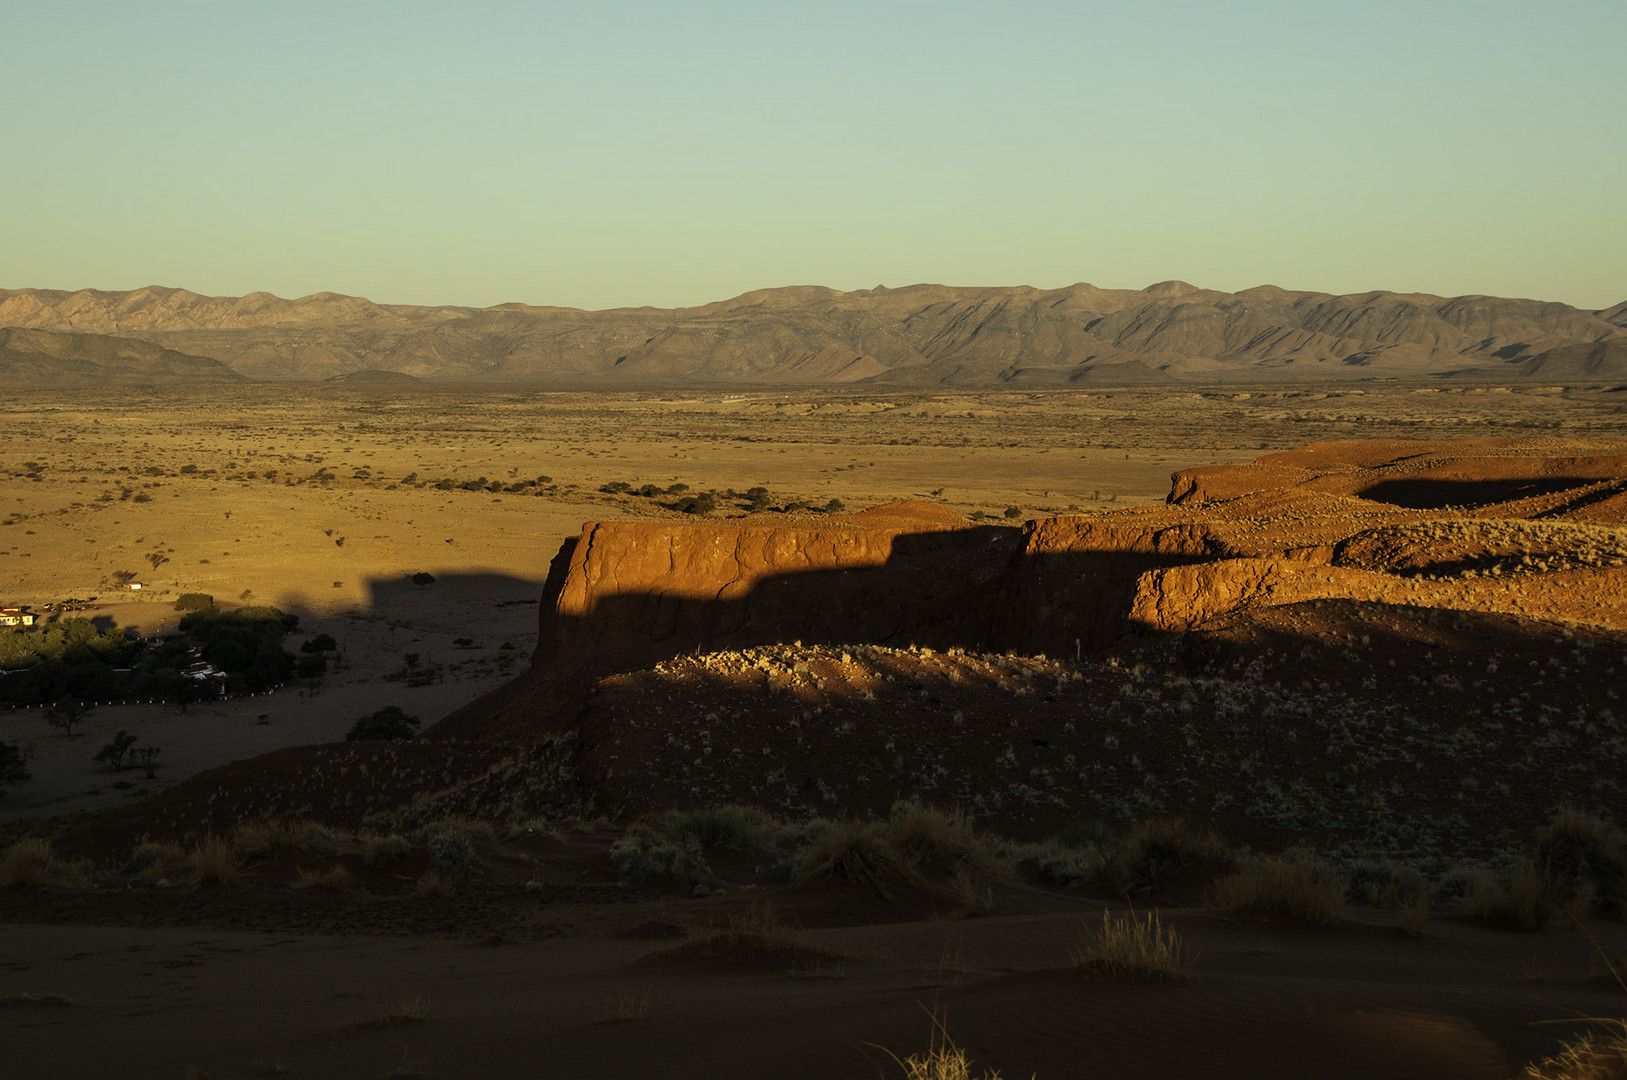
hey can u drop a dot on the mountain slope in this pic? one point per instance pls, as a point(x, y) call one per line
point(919, 335)
point(47, 358)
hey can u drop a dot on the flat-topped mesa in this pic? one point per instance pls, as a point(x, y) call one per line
point(1528, 529)
point(624, 593)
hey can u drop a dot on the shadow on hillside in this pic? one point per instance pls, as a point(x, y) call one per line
point(975, 588)
point(1435, 494)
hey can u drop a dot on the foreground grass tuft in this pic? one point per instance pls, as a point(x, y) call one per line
point(942, 1060)
point(1593, 1056)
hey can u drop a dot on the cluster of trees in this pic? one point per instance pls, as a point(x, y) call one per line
point(74, 660)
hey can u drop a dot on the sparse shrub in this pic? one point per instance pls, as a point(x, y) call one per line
point(738, 828)
point(1585, 861)
point(1068, 866)
point(1386, 884)
point(641, 853)
point(423, 578)
point(27, 864)
point(1157, 850)
point(214, 861)
point(1013, 512)
point(758, 933)
point(335, 878)
point(449, 848)
point(156, 861)
point(388, 723)
point(382, 850)
point(925, 836)
point(1130, 948)
point(859, 850)
point(1302, 888)
point(1526, 900)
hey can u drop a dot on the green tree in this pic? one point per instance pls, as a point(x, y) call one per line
point(13, 768)
point(65, 712)
point(322, 643)
point(115, 754)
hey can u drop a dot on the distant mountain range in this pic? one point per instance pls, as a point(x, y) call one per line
point(922, 335)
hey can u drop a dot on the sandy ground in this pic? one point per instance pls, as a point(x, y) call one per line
point(583, 995)
point(171, 983)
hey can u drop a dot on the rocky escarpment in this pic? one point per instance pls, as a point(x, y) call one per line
point(1528, 529)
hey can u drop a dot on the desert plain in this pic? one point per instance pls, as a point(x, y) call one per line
point(614, 851)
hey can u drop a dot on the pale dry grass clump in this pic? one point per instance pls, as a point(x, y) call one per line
point(1130, 948)
point(1302, 888)
point(1593, 1056)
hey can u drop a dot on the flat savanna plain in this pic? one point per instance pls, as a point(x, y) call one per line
point(326, 500)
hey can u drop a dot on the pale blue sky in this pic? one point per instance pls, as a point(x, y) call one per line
point(624, 153)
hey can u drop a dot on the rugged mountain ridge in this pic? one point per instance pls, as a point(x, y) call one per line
point(918, 335)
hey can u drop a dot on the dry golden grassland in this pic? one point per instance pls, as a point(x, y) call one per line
point(300, 495)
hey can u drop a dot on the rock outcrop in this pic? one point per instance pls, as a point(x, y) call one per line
point(1532, 530)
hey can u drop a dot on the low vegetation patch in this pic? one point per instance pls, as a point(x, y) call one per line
point(756, 935)
point(1299, 887)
